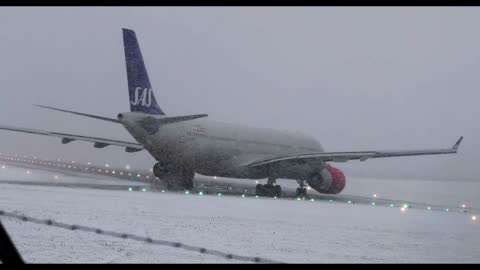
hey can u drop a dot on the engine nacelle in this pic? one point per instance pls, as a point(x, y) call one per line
point(329, 180)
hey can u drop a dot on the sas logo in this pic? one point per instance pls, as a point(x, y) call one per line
point(142, 96)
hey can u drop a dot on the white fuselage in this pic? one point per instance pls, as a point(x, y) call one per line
point(216, 148)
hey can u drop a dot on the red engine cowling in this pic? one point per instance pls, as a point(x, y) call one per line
point(329, 180)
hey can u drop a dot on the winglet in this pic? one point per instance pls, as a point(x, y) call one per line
point(457, 144)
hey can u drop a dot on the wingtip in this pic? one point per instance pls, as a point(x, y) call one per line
point(42, 106)
point(457, 144)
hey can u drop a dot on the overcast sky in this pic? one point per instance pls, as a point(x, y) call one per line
point(354, 78)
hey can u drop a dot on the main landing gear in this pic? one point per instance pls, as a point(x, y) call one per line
point(176, 177)
point(301, 191)
point(269, 190)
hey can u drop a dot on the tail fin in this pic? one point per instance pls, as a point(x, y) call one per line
point(139, 88)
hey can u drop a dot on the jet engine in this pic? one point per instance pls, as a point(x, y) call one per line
point(329, 180)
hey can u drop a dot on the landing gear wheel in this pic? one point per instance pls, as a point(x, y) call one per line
point(278, 191)
point(175, 179)
point(258, 189)
point(301, 192)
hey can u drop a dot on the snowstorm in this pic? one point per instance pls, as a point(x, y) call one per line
point(372, 81)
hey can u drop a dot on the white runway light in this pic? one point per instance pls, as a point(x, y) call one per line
point(474, 218)
point(375, 195)
point(106, 165)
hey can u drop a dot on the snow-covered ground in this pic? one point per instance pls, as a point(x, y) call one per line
point(283, 230)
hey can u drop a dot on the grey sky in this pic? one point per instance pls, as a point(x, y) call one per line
point(354, 78)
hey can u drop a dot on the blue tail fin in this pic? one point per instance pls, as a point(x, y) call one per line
point(139, 88)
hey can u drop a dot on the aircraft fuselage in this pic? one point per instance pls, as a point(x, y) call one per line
point(218, 149)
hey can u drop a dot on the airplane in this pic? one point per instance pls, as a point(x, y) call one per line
point(187, 144)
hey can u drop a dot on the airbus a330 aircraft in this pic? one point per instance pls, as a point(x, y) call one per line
point(183, 145)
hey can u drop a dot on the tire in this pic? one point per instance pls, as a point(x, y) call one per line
point(175, 177)
point(259, 190)
point(278, 191)
point(301, 192)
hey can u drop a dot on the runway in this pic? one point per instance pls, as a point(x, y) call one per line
point(224, 214)
point(129, 180)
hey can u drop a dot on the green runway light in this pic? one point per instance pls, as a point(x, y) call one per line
point(312, 200)
point(428, 208)
point(186, 192)
point(329, 201)
point(349, 201)
point(447, 209)
point(373, 204)
point(200, 193)
point(405, 205)
point(275, 197)
point(144, 189)
point(243, 195)
point(392, 205)
point(219, 194)
point(163, 191)
point(256, 196)
point(130, 189)
point(298, 199)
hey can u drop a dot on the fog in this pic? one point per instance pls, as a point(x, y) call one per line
point(354, 78)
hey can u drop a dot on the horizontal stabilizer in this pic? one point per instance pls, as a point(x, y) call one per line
point(79, 113)
point(152, 124)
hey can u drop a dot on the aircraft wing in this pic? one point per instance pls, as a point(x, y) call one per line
point(67, 138)
point(346, 156)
